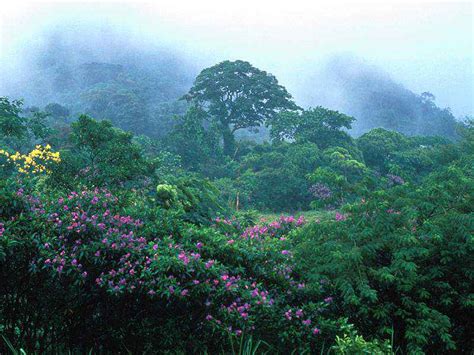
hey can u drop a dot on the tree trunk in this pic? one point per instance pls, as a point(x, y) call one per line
point(229, 141)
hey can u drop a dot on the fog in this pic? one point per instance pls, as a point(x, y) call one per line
point(420, 46)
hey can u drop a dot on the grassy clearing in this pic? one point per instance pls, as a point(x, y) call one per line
point(310, 216)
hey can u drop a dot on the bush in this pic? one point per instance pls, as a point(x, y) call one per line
point(79, 274)
point(353, 343)
point(402, 259)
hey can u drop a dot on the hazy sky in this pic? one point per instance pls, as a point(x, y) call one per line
point(425, 46)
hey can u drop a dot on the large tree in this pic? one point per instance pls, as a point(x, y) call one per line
point(237, 95)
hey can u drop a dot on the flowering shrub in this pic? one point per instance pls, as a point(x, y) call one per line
point(275, 229)
point(340, 217)
point(35, 162)
point(228, 226)
point(191, 284)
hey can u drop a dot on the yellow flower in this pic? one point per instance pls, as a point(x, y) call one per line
point(35, 161)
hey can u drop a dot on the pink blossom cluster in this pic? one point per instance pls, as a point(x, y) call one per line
point(81, 215)
point(227, 221)
point(277, 228)
point(241, 311)
point(227, 226)
point(94, 244)
point(298, 315)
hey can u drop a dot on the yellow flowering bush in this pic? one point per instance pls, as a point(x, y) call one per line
point(35, 161)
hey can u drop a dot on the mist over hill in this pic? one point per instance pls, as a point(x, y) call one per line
point(105, 75)
point(137, 85)
point(351, 85)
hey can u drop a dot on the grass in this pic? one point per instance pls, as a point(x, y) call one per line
point(310, 216)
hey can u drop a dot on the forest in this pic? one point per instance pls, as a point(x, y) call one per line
point(141, 216)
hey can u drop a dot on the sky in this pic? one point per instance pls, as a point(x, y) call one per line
point(426, 46)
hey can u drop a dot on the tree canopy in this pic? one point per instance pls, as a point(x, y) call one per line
point(237, 95)
point(317, 125)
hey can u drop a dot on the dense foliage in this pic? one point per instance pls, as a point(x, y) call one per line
point(112, 242)
point(401, 261)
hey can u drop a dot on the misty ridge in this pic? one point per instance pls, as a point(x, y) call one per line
point(138, 86)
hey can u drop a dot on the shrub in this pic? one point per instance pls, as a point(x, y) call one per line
point(402, 258)
point(87, 276)
point(353, 343)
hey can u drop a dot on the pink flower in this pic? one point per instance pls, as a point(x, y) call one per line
point(231, 241)
point(184, 258)
point(299, 313)
point(285, 252)
point(275, 225)
point(199, 245)
point(306, 322)
point(340, 217)
point(184, 292)
point(209, 264)
point(300, 221)
point(288, 314)
point(316, 331)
